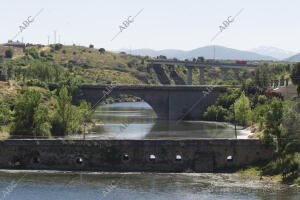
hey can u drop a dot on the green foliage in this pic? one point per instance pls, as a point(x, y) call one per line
point(101, 50)
point(41, 122)
point(33, 52)
point(86, 112)
point(5, 114)
point(228, 98)
point(36, 82)
point(44, 71)
point(30, 119)
point(58, 47)
point(215, 113)
point(295, 76)
point(68, 119)
point(8, 53)
point(73, 84)
point(242, 110)
point(262, 76)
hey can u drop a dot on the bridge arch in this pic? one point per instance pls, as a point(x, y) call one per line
point(168, 102)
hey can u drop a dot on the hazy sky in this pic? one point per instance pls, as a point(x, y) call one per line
point(163, 24)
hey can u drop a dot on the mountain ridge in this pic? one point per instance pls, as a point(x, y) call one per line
point(221, 52)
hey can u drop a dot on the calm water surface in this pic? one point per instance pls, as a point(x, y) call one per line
point(138, 121)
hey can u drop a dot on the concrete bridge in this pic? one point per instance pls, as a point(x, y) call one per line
point(169, 102)
point(190, 65)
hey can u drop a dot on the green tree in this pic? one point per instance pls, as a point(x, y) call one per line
point(62, 123)
point(295, 76)
point(86, 112)
point(273, 119)
point(242, 110)
point(8, 53)
point(30, 117)
point(262, 76)
point(5, 114)
point(41, 122)
point(101, 50)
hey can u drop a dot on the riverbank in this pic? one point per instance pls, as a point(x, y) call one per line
point(255, 173)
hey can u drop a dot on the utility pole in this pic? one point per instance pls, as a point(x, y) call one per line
point(84, 131)
point(54, 37)
point(234, 122)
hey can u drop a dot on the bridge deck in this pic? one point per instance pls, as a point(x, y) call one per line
point(155, 87)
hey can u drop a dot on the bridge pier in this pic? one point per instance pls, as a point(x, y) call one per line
point(202, 80)
point(190, 75)
point(224, 74)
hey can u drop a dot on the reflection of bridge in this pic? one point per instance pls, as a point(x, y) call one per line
point(190, 65)
point(169, 102)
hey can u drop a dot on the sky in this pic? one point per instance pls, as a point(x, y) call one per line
point(161, 24)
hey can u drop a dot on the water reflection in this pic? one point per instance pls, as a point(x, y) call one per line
point(137, 120)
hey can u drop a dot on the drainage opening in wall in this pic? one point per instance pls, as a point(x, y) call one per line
point(152, 157)
point(229, 158)
point(125, 157)
point(36, 160)
point(178, 157)
point(79, 161)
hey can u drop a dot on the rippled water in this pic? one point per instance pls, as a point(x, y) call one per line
point(91, 186)
point(137, 120)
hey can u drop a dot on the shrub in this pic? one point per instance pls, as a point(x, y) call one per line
point(8, 53)
point(101, 50)
point(36, 82)
point(58, 47)
point(215, 113)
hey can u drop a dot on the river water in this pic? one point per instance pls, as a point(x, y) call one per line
point(135, 121)
point(96, 186)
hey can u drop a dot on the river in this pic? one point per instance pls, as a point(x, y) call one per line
point(46, 185)
point(136, 121)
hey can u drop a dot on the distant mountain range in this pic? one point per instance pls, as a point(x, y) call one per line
point(217, 52)
point(295, 58)
point(274, 52)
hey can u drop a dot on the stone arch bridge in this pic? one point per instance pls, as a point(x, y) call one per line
point(168, 102)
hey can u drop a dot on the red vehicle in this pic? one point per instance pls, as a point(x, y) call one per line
point(241, 62)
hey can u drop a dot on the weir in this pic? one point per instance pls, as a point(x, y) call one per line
point(188, 155)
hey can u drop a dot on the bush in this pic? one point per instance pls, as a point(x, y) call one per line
point(91, 46)
point(5, 113)
point(33, 52)
point(101, 50)
point(36, 82)
point(43, 54)
point(58, 47)
point(30, 118)
point(215, 113)
point(8, 53)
